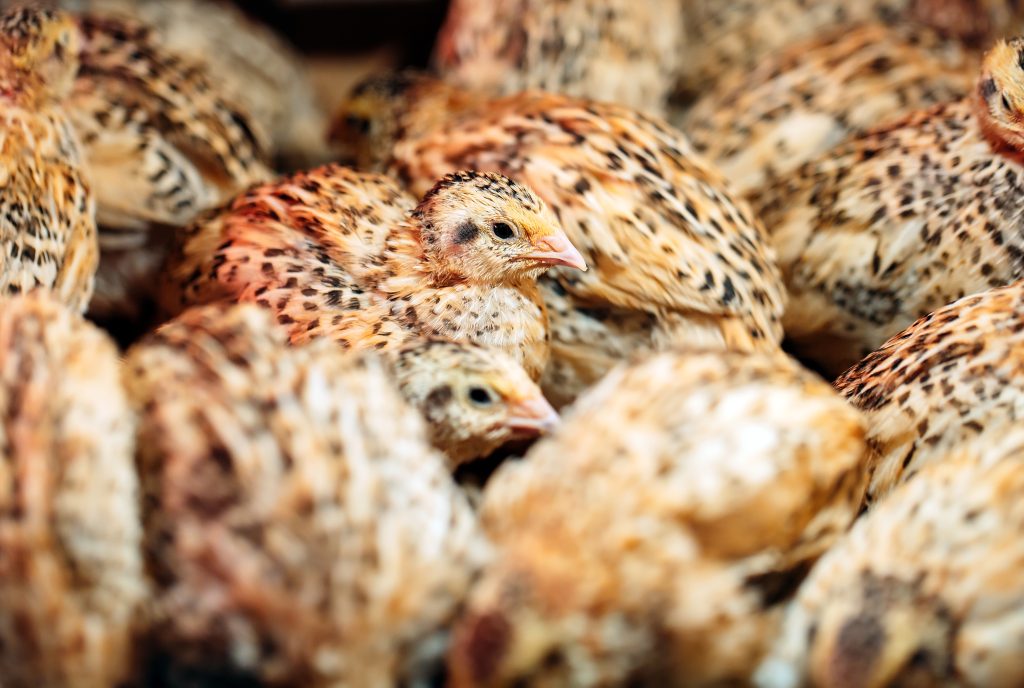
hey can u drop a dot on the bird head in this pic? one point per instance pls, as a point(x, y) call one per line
point(488, 228)
point(382, 109)
point(474, 399)
point(39, 55)
point(1001, 93)
point(878, 633)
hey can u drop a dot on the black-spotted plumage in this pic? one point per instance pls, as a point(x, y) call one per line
point(903, 219)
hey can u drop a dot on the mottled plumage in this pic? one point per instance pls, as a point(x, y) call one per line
point(253, 66)
point(47, 213)
point(657, 225)
point(345, 255)
point(299, 526)
point(622, 51)
point(794, 106)
point(161, 144)
point(726, 37)
point(950, 380)
point(650, 535)
point(71, 571)
point(904, 219)
point(926, 590)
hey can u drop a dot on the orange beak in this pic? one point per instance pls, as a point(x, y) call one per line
point(556, 249)
point(532, 416)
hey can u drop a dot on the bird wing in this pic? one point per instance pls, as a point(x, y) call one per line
point(654, 222)
point(133, 99)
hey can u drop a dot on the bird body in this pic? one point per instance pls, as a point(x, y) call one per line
point(902, 220)
point(796, 105)
point(640, 538)
point(299, 526)
point(254, 66)
point(160, 143)
point(339, 254)
point(47, 212)
point(728, 38)
point(658, 227)
point(72, 583)
point(622, 51)
point(947, 382)
point(926, 589)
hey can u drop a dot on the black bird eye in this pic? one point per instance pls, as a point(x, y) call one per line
point(1006, 103)
point(357, 124)
point(480, 396)
point(503, 231)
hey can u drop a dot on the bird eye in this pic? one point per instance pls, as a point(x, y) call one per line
point(503, 231)
point(1006, 103)
point(360, 125)
point(480, 396)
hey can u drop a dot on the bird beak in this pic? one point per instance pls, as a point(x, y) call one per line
point(556, 249)
point(532, 416)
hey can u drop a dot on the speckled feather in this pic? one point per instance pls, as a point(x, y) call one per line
point(949, 380)
point(253, 66)
point(732, 37)
point(794, 106)
point(657, 225)
point(639, 536)
point(161, 141)
point(290, 494)
point(926, 590)
point(71, 575)
point(342, 254)
point(902, 220)
point(47, 212)
point(622, 51)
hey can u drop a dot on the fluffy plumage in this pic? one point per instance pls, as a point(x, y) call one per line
point(725, 38)
point(161, 144)
point(252, 65)
point(647, 537)
point(71, 572)
point(47, 212)
point(926, 590)
point(345, 255)
point(657, 225)
point(622, 51)
point(950, 380)
point(797, 104)
point(904, 219)
point(300, 527)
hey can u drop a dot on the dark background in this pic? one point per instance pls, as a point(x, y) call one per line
point(332, 27)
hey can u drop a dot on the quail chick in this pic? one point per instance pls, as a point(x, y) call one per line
point(161, 145)
point(926, 590)
point(727, 38)
point(474, 399)
point(300, 527)
point(254, 67)
point(47, 213)
point(71, 572)
point(949, 380)
point(623, 51)
point(640, 540)
point(349, 256)
point(796, 105)
point(657, 225)
point(904, 219)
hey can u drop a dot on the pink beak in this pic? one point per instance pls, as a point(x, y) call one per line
point(556, 249)
point(532, 416)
